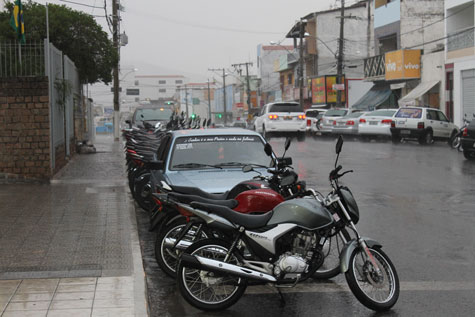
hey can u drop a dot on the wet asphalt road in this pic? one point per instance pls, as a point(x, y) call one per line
point(418, 201)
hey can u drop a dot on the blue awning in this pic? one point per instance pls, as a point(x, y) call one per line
point(373, 98)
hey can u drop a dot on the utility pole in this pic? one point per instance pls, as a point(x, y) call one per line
point(340, 53)
point(248, 90)
point(209, 102)
point(300, 72)
point(115, 39)
point(224, 89)
point(186, 101)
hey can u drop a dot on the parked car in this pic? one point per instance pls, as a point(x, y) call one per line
point(150, 114)
point(376, 123)
point(211, 159)
point(313, 116)
point(239, 124)
point(347, 124)
point(421, 123)
point(468, 141)
point(281, 117)
point(326, 124)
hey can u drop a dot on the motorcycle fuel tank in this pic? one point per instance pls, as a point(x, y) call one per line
point(257, 200)
point(304, 212)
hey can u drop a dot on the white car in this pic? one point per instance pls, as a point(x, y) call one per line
point(313, 116)
point(422, 124)
point(326, 124)
point(281, 117)
point(376, 123)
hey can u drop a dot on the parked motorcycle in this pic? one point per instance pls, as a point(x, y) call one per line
point(283, 247)
point(455, 140)
point(258, 195)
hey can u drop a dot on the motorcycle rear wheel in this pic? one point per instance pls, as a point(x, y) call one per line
point(377, 291)
point(206, 290)
point(167, 258)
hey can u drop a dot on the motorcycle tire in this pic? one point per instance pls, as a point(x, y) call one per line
point(188, 278)
point(142, 190)
point(331, 265)
point(455, 141)
point(361, 273)
point(167, 258)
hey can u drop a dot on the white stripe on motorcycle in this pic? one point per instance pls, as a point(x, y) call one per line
point(338, 287)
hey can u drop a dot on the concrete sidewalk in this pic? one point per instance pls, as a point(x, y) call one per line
point(71, 247)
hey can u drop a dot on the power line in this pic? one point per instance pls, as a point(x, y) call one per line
point(442, 38)
point(81, 4)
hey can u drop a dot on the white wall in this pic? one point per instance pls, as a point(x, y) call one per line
point(356, 90)
point(416, 14)
point(433, 69)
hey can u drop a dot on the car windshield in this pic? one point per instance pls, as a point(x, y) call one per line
point(335, 113)
point(153, 114)
point(354, 115)
point(409, 113)
point(285, 107)
point(217, 151)
point(381, 113)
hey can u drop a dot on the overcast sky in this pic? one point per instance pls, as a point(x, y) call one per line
point(189, 36)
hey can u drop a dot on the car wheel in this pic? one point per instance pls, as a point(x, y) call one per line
point(469, 155)
point(265, 134)
point(426, 138)
point(396, 139)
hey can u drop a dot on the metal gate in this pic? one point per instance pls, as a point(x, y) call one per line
point(468, 93)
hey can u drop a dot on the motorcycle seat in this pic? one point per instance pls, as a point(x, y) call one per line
point(198, 192)
point(247, 221)
point(187, 199)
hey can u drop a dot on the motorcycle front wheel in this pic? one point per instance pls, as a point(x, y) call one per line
point(376, 288)
point(207, 290)
point(331, 250)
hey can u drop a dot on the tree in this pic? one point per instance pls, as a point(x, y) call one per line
point(75, 33)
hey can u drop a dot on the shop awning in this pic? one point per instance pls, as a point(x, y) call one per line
point(420, 90)
point(373, 98)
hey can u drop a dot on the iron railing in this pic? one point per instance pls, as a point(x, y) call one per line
point(460, 39)
point(22, 60)
point(374, 67)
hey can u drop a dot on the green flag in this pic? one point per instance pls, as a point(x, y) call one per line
point(17, 21)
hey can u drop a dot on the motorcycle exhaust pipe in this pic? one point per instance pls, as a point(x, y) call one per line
point(201, 263)
point(182, 245)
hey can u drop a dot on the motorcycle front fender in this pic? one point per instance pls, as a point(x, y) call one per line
point(348, 249)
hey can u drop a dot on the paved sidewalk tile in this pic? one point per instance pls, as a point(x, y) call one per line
point(71, 248)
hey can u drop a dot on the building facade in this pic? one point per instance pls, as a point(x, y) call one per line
point(460, 59)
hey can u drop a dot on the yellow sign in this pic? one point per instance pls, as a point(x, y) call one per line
point(403, 64)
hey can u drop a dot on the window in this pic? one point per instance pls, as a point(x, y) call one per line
point(442, 116)
point(179, 81)
point(285, 107)
point(162, 90)
point(162, 82)
point(132, 92)
point(432, 115)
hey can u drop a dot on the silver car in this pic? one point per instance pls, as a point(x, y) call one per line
point(326, 125)
point(347, 124)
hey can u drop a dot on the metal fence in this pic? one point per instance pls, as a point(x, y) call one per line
point(22, 60)
point(460, 39)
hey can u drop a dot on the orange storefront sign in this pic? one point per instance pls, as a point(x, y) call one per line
point(403, 64)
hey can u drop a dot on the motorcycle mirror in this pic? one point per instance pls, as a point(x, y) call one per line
point(287, 143)
point(339, 144)
point(268, 149)
point(247, 168)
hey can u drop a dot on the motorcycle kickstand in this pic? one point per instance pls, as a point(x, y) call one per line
point(282, 299)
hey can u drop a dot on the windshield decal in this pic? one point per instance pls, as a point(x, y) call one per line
point(184, 146)
point(221, 138)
